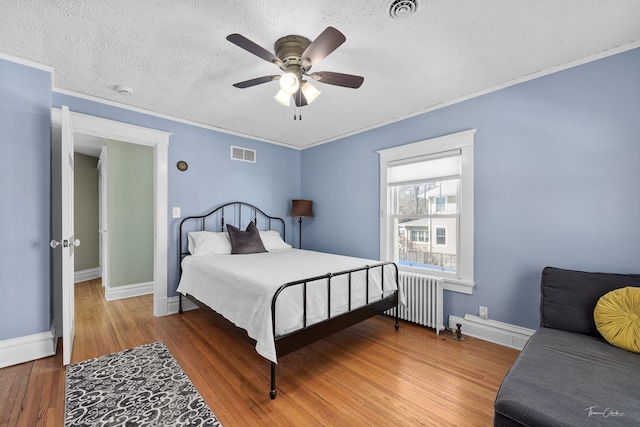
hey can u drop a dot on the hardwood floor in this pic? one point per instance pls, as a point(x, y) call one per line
point(369, 374)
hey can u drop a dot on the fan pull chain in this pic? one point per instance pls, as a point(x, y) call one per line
point(299, 93)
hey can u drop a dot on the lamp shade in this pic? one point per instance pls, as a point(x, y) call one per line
point(301, 208)
point(309, 92)
point(283, 98)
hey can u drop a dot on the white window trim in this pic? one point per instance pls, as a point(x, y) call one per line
point(464, 141)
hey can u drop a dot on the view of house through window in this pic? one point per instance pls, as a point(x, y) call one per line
point(425, 217)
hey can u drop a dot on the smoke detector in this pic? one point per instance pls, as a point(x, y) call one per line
point(401, 9)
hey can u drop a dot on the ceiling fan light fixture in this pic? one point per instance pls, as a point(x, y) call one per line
point(289, 83)
point(309, 92)
point(283, 98)
point(295, 55)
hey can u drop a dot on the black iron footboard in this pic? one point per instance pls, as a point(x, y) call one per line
point(310, 333)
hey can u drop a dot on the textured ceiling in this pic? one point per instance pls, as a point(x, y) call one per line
point(175, 56)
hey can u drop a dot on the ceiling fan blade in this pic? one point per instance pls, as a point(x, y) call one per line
point(300, 99)
point(249, 46)
point(338, 79)
point(328, 41)
point(256, 81)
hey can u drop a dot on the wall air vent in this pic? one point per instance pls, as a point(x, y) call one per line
point(243, 154)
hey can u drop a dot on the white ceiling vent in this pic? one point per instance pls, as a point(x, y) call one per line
point(243, 154)
point(401, 9)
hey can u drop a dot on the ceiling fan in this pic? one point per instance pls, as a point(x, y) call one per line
point(295, 55)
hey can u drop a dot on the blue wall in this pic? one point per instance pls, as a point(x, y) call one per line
point(556, 177)
point(25, 129)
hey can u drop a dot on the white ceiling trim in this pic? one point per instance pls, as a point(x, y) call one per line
point(27, 63)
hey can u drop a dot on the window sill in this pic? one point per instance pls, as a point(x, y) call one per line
point(450, 283)
point(457, 285)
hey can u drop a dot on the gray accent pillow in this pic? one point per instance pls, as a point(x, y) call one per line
point(245, 242)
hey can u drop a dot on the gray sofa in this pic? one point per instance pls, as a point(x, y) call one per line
point(567, 374)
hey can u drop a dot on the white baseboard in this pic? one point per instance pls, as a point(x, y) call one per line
point(174, 304)
point(505, 334)
point(128, 291)
point(25, 349)
point(160, 306)
point(84, 275)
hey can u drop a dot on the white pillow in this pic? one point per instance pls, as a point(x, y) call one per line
point(203, 243)
point(272, 241)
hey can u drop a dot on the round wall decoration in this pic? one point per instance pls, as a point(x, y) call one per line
point(182, 165)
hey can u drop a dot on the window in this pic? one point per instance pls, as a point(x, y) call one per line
point(426, 207)
point(441, 236)
point(420, 236)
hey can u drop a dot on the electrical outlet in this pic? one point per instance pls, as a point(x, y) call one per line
point(483, 312)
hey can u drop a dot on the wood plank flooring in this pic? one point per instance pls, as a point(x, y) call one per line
point(367, 375)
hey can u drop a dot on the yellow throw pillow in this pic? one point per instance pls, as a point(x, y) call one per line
point(617, 317)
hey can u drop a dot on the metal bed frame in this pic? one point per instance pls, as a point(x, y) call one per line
point(308, 334)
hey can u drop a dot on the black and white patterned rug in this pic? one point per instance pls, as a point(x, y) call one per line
point(142, 386)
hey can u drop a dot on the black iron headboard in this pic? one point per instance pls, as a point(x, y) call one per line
point(229, 213)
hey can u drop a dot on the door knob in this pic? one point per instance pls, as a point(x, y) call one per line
point(65, 243)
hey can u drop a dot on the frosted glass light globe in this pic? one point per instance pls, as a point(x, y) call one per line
point(289, 83)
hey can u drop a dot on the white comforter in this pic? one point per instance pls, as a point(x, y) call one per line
point(241, 287)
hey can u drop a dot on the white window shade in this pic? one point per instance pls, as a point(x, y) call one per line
point(425, 168)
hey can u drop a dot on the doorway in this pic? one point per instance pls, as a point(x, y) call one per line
point(114, 215)
point(91, 126)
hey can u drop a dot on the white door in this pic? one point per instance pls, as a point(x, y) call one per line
point(109, 129)
point(62, 230)
point(102, 217)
